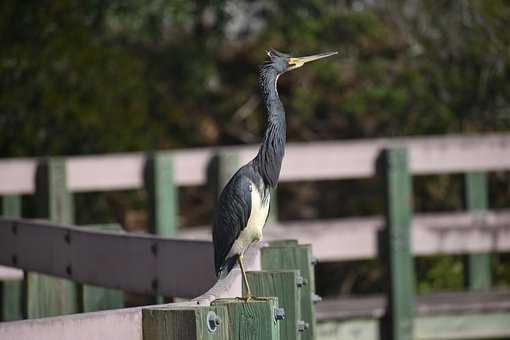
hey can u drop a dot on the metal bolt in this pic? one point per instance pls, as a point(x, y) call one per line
point(154, 249)
point(155, 284)
point(67, 237)
point(278, 313)
point(316, 298)
point(302, 326)
point(213, 321)
point(300, 281)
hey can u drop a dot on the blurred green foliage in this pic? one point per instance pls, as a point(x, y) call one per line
point(100, 76)
point(81, 77)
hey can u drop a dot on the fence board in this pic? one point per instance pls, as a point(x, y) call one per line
point(356, 238)
point(106, 259)
point(121, 324)
point(337, 159)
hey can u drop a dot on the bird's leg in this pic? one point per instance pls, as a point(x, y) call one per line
point(248, 296)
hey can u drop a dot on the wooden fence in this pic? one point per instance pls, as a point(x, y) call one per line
point(477, 231)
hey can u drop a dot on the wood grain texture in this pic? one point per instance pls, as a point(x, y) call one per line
point(47, 295)
point(11, 288)
point(296, 257)
point(396, 253)
point(282, 285)
point(477, 265)
point(161, 194)
point(252, 320)
point(182, 322)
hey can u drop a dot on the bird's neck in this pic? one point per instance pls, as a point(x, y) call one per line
point(270, 155)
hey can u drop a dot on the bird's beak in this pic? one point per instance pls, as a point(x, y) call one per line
point(298, 62)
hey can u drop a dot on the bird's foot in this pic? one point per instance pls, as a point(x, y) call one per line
point(245, 298)
point(248, 298)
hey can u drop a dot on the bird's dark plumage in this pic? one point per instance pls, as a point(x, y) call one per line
point(243, 205)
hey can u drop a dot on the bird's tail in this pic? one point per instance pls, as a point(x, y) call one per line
point(226, 267)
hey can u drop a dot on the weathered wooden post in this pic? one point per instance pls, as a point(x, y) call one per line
point(225, 319)
point(286, 286)
point(162, 199)
point(285, 255)
point(397, 324)
point(477, 266)
point(161, 194)
point(11, 291)
point(47, 295)
point(224, 165)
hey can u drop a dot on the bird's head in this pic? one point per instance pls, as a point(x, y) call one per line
point(282, 62)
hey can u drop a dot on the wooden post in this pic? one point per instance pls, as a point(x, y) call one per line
point(98, 298)
point(11, 296)
point(252, 320)
point(46, 295)
point(225, 319)
point(286, 286)
point(176, 322)
point(225, 164)
point(396, 255)
point(162, 199)
point(161, 194)
point(287, 254)
point(477, 266)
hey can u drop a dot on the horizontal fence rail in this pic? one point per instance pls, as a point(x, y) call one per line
point(132, 262)
point(357, 238)
point(338, 160)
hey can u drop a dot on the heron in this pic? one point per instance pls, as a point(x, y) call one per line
point(243, 205)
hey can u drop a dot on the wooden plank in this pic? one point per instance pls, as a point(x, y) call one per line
point(464, 326)
point(161, 194)
point(46, 295)
point(17, 176)
point(106, 258)
point(96, 298)
point(175, 322)
point(161, 197)
point(106, 172)
point(298, 257)
point(444, 303)
point(282, 284)
point(396, 253)
point(11, 290)
point(122, 324)
point(356, 238)
point(251, 320)
point(428, 155)
point(477, 266)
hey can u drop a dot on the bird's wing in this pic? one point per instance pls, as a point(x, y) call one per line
point(232, 214)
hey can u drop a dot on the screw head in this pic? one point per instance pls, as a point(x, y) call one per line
point(316, 298)
point(278, 313)
point(213, 321)
point(302, 326)
point(300, 281)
